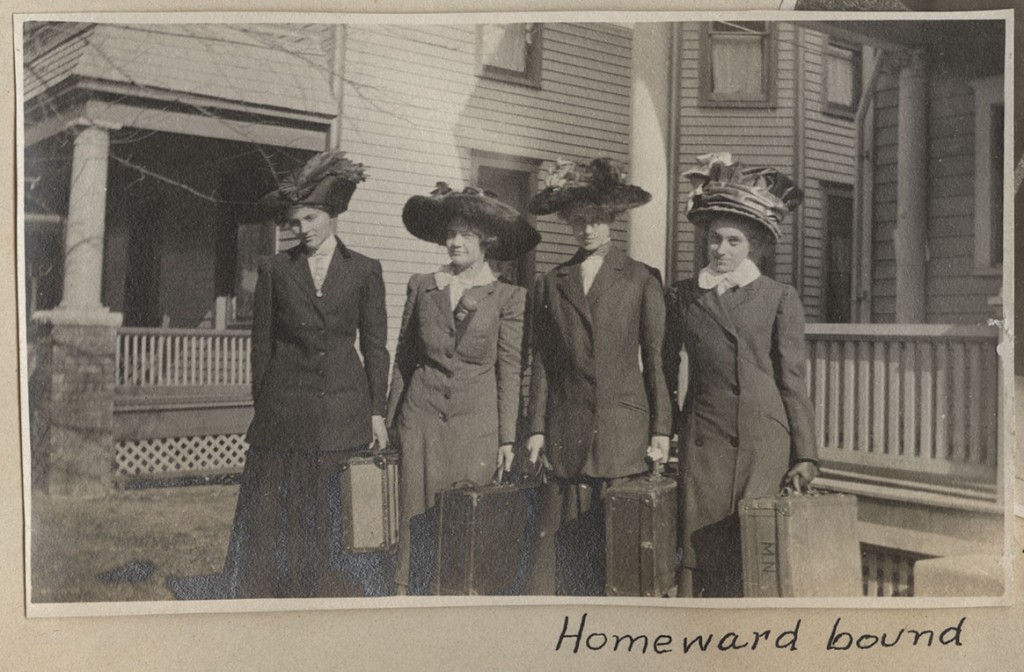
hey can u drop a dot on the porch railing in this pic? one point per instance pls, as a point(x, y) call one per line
point(182, 357)
point(922, 399)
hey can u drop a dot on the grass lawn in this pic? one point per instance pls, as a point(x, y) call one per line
point(180, 531)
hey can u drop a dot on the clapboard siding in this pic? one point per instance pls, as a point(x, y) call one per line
point(752, 135)
point(415, 112)
point(883, 268)
point(830, 156)
point(954, 292)
point(767, 136)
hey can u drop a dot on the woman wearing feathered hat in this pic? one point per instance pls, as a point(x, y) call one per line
point(746, 427)
point(314, 400)
point(594, 411)
point(454, 396)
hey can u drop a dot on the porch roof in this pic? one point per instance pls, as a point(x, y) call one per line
point(268, 67)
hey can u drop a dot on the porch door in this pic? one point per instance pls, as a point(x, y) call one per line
point(512, 179)
point(837, 271)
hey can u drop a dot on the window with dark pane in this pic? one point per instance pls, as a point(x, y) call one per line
point(737, 63)
point(510, 52)
point(838, 262)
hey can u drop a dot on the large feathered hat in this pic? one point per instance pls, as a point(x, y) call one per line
point(759, 194)
point(602, 183)
point(327, 181)
point(428, 218)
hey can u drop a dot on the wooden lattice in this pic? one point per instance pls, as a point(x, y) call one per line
point(212, 454)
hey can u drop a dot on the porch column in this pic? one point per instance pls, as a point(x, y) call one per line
point(912, 190)
point(87, 206)
point(71, 390)
point(653, 145)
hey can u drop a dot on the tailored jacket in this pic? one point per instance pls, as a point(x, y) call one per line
point(589, 395)
point(456, 384)
point(746, 417)
point(310, 389)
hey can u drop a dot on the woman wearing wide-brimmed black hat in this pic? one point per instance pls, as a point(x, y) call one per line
point(454, 396)
point(315, 399)
point(746, 427)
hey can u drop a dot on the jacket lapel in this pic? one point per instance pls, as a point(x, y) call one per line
point(743, 295)
point(609, 273)
point(440, 303)
point(338, 272)
point(478, 294)
point(299, 273)
point(570, 286)
point(709, 302)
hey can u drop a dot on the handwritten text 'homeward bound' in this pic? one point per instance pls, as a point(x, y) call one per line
point(577, 638)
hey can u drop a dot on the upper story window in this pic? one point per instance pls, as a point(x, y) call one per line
point(737, 64)
point(842, 78)
point(510, 52)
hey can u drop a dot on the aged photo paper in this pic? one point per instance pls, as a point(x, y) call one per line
point(135, 372)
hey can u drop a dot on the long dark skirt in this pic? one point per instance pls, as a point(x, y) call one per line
point(286, 540)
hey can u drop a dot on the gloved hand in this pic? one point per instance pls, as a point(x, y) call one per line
point(800, 475)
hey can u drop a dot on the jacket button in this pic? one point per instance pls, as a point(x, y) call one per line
point(736, 390)
point(734, 441)
point(322, 353)
point(321, 394)
point(448, 354)
point(320, 372)
point(444, 418)
point(699, 443)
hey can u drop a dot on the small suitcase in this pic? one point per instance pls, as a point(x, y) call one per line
point(640, 536)
point(481, 534)
point(800, 546)
point(369, 502)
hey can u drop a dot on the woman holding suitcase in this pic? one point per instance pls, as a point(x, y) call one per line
point(454, 396)
point(315, 400)
point(746, 426)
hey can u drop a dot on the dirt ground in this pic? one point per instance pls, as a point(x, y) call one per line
point(178, 531)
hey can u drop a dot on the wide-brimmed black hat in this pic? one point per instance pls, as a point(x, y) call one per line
point(758, 194)
point(428, 218)
point(602, 183)
point(327, 181)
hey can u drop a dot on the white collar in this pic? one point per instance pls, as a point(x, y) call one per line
point(446, 275)
point(326, 248)
point(743, 275)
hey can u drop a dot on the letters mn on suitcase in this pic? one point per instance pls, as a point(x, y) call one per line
point(801, 546)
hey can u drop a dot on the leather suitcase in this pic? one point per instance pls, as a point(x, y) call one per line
point(369, 502)
point(481, 537)
point(640, 536)
point(801, 546)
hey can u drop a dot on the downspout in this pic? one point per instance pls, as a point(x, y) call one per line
point(864, 192)
point(674, 114)
point(338, 35)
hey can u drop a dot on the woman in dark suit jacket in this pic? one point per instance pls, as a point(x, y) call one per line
point(746, 426)
point(454, 396)
point(315, 401)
